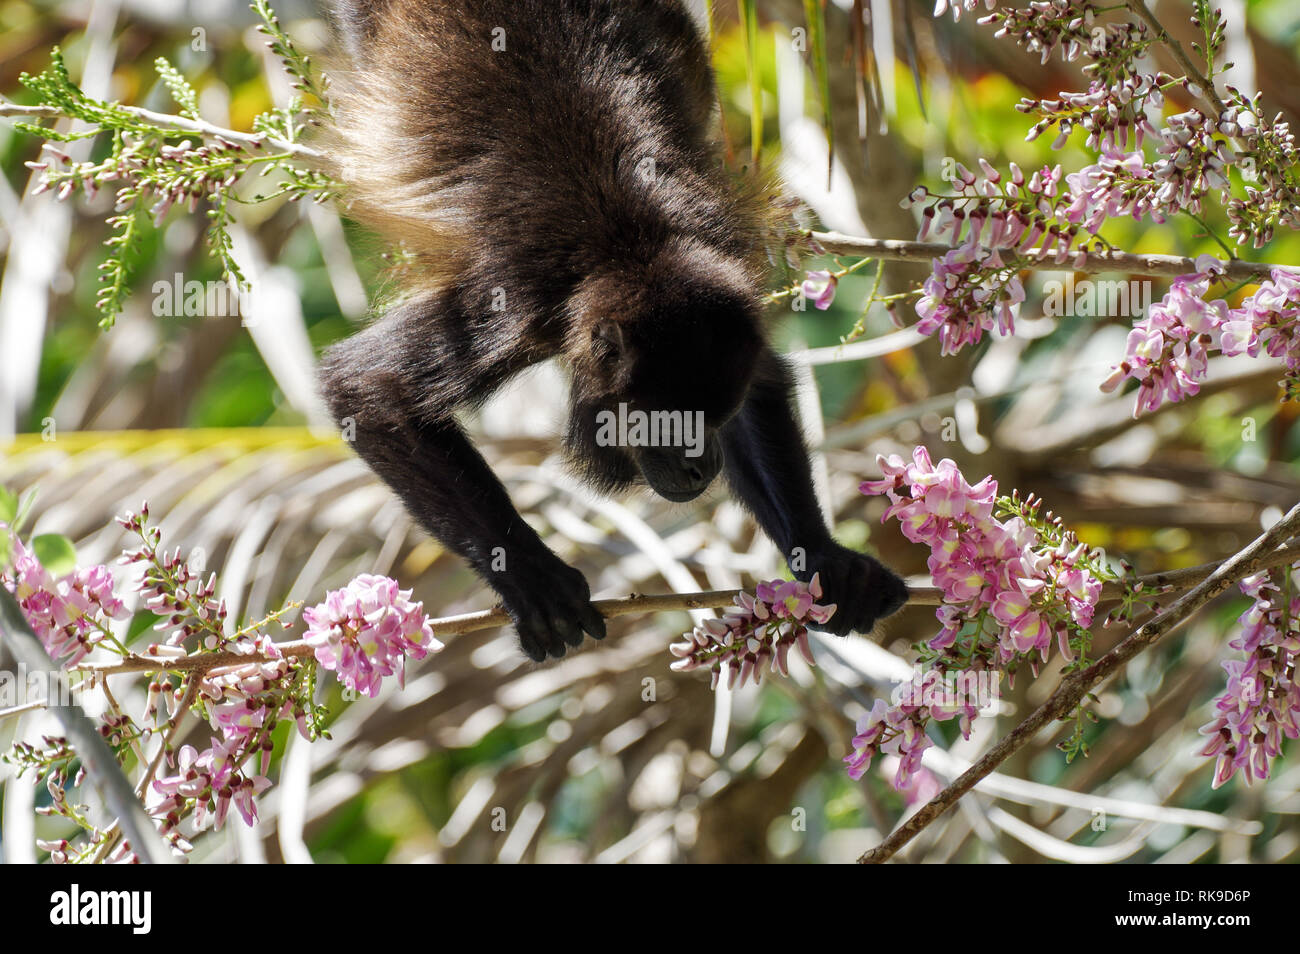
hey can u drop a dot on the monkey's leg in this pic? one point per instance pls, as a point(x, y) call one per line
point(450, 489)
point(769, 472)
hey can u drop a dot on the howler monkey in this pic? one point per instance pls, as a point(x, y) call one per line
point(547, 165)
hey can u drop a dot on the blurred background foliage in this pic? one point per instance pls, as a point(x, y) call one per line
point(608, 755)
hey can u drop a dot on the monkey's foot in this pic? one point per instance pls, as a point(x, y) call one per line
point(861, 587)
point(550, 604)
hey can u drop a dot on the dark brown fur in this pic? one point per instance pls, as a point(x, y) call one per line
point(559, 197)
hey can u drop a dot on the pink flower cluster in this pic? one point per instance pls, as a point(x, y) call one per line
point(1046, 26)
point(363, 632)
point(185, 603)
point(215, 781)
point(70, 613)
point(964, 296)
point(892, 730)
point(1262, 701)
point(1168, 351)
point(985, 566)
point(1191, 162)
point(1118, 184)
point(757, 634)
point(244, 701)
point(366, 630)
point(1002, 584)
point(1268, 322)
point(899, 728)
point(1111, 113)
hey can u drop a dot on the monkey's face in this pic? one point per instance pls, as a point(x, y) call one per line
point(662, 359)
point(661, 404)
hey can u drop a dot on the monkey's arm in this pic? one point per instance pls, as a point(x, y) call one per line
point(768, 469)
point(447, 485)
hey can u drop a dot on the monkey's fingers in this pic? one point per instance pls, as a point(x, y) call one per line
point(592, 622)
point(534, 647)
point(568, 631)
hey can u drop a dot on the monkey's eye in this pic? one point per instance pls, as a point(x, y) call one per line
point(607, 343)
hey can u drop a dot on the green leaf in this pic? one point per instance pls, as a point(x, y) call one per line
point(296, 64)
point(55, 135)
point(815, 14)
point(25, 504)
point(8, 506)
point(179, 86)
point(125, 253)
point(6, 548)
point(749, 22)
point(56, 553)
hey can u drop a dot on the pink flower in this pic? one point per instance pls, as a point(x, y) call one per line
point(1261, 703)
point(1109, 189)
point(366, 630)
point(213, 781)
point(1268, 322)
point(892, 730)
point(1168, 351)
point(820, 287)
point(69, 614)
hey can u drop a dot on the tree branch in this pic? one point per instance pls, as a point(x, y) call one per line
point(628, 606)
point(1164, 266)
point(1074, 687)
point(305, 154)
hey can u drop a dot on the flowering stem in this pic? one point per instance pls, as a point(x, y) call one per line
point(1075, 687)
point(447, 626)
point(627, 606)
point(843, 270)
point(133, 741)
point(1169, 266)
point(304, 154)
point(1210, 232)
point(173, 726)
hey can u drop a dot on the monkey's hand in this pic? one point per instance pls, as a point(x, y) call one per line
point(550, 604)
point(861, 587)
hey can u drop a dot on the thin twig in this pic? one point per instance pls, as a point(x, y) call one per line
point(446, 626)
point(191, 691)
point(111, 833)
point(117, 711)
point(1074, 687)
point(38, 704)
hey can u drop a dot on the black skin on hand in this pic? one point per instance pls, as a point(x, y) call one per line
point(549, 168)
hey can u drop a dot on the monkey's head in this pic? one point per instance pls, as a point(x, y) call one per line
point(662, 356)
